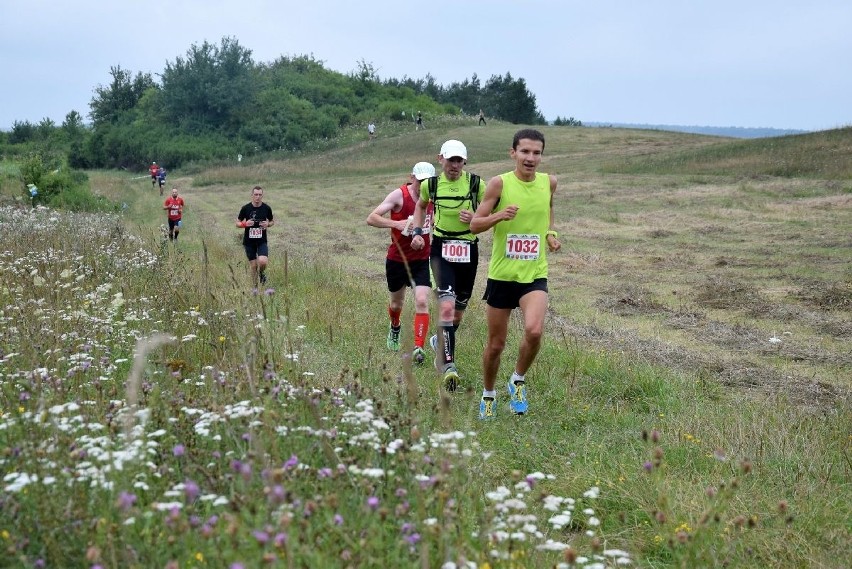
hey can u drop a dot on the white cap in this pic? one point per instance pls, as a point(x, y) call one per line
point(453, 148)
point(423, 170)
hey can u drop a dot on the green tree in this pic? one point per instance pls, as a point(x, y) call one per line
point(22, 131)
point(211, 88)
point(112, 102)
point(510, 100)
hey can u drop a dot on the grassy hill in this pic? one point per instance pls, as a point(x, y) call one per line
point(696, 362)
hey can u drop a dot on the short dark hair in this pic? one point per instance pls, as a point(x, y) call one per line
point(529, 134)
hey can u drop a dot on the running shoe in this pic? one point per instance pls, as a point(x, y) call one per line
point(393, 339)
point(418, 356)
point(451, 378)
point(487, 409)
point(517, 397)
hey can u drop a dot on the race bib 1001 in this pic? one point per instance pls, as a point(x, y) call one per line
point(523, 246)
point(456, 251)
point(255, 232)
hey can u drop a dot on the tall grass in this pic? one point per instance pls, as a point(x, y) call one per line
point(271, 428)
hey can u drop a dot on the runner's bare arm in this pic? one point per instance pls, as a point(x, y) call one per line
point(393, 202)
point(485, 217)
point(553, 243)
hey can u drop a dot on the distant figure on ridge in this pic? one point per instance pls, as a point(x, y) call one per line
point(481, 118)
point(418, 124)
point(371, 130)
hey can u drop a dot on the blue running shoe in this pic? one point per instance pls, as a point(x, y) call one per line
point(517, 397)
point(487, 409)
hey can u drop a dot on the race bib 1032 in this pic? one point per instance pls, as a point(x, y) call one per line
point(523, 246)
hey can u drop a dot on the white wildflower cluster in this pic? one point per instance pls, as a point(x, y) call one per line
point(96, 454)
point(204, 425)
point(515, 520)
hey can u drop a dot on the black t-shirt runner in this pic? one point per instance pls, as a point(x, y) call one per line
point(255, 234)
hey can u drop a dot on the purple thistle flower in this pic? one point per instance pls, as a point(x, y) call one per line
point(269, 292)
point(125, 501)
point(280, 539)
point(373, 502)
point(179, 450)
point(237, 565)
point(338, 520)
point(191, 490)
point(324, 472)
point(277, 494)
point(292, 462)
point(261, 536)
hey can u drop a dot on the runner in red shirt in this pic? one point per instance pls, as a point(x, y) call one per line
point(153, 169)
point(174, 205)
point(405, 266)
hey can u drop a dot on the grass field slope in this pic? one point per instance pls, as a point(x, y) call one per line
point(691, 405)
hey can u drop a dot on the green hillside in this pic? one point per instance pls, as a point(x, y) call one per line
point(690, 407)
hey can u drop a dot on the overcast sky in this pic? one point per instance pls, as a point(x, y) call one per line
point(746, 63)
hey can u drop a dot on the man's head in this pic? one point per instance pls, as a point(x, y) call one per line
point(529, 134)
point(453, 157)
point(256, 195)
point(527, 148)
point(174, 192)
point(422, 170)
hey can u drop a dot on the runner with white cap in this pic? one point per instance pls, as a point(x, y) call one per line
point(404, 265)
point(454, 252)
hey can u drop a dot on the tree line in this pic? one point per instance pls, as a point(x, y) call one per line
point(216, 101)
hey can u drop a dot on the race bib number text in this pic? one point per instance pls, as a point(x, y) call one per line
point(456, 251)
point(255, 232)
point(522, 246)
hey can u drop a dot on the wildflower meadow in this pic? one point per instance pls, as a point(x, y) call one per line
point(156, 411)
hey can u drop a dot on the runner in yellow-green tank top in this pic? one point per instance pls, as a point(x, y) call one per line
point(519, 251)
point(519, 206)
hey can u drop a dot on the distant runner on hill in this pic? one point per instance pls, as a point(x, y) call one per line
point(255, 218)
point(161, 178)
point(153, 169)
point(174, 206)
